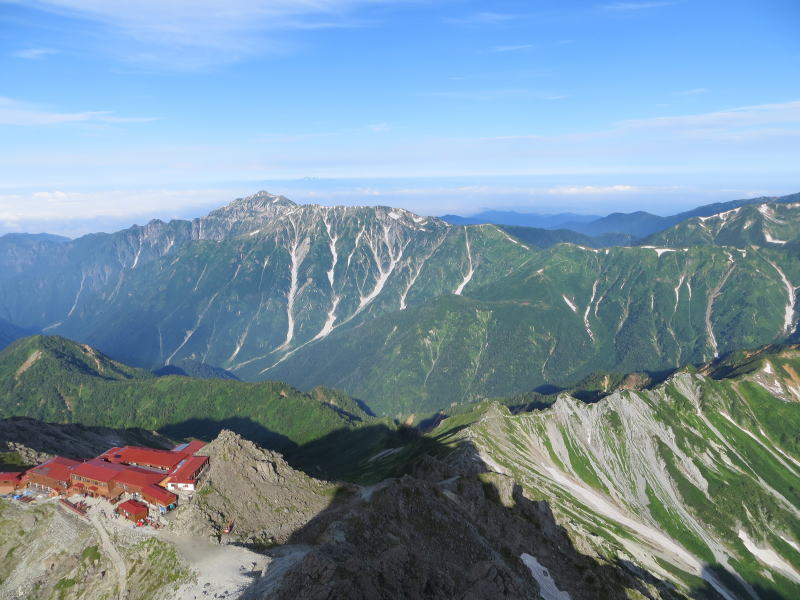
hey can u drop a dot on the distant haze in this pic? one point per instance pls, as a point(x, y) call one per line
point(74, 213)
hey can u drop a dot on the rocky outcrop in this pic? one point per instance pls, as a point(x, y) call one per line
point(267, 500)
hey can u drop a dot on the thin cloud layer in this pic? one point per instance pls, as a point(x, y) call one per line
point(786, 113)
point(634, 6)
point(13, 112)
point(34, 53)
point(231, 28)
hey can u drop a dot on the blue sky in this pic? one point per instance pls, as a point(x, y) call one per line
point(115, 112)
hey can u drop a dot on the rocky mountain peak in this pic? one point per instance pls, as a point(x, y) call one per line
point(258, 204)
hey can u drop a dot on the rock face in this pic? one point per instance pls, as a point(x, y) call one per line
point(460, 537)
point(34, 441)
point(267, 499)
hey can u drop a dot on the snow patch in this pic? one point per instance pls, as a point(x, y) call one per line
point(769, 557)
point(660, 251)
point(772, 240)
point(471, 270)
point(790, 542)
point(588, 308)
point(788, 316)
point(77, 296)
point(599, 504)
point(548, 589)
point(383, 276)
point(678, 292)
point(512, 240)
point(570, 303)
point(297, 254)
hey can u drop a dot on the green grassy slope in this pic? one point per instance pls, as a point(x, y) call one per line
point(53, 379)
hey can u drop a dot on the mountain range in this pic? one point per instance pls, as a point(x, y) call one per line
point(408, 312)
point(636, 224)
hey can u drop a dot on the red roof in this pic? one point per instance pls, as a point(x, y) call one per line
point(10, 476)
point(159, 494)
point(133, 476)
point(58, 468)
point(133, 507)
point(144, 456)
point(98, 470)
point(186, 470)
point(190, 448)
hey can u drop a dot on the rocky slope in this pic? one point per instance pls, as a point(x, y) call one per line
point(52, 554)
point(466, 535)
point(267, 499)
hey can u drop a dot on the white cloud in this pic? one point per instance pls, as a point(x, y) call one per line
point(205, 30)
point(634, 6)
point(74, 213)
point(513, 48)
point(378, 127)
point(787, 113)
point(573, 190)
point(482, 18)
point(34, 53)
point(13, 112)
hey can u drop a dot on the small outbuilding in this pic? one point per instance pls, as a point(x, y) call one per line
point(159, 497)
point(133, 510)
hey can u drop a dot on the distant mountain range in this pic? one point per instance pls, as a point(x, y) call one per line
point(518, 219)
point(637, 224)
point(409, 312)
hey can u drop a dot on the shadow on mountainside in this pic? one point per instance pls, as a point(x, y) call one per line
point(448, 528)
point(208, 429)
point(32, 441)
point(342, 454)
point(354, 454)
point(431, 520)
point(735, 585)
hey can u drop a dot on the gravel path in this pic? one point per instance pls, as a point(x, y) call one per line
point(112, 552)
